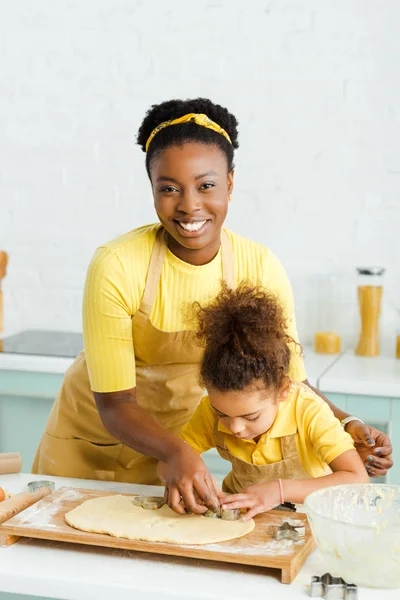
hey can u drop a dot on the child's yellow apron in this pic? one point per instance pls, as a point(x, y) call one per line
point(244, 474)
point(75, 442)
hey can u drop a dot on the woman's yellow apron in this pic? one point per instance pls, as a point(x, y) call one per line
point(75, 442)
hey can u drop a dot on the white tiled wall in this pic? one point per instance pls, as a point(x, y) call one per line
point(315, 85)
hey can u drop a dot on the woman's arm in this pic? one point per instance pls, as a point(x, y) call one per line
point(373, 446)
point(338, 412)
point(197, 434)
point(347, 468)
point(186, 474)
point(109, 303)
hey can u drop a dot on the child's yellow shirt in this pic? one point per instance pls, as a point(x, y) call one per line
point(320, 438)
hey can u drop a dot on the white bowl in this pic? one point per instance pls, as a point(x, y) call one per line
point(357, 530)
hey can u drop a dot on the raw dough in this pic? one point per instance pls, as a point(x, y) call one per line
point(117, 516)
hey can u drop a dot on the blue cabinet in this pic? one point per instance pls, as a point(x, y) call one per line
point(25, 402)
point(382, 413)
point(216, 465)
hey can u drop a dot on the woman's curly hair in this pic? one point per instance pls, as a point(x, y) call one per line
point(243, 332)
point(188, 132)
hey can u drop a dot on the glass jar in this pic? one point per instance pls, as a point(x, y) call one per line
point(397, 309)
point(327, 338)
point(3, 267)
point(370, 290)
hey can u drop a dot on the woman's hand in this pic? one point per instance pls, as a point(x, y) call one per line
point(188, 483)
point(373, 446)
point(257, 499)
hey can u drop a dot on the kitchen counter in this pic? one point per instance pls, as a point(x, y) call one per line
point(340, 373)
point(34, 364)
point(351, 374)
point(64, 346)
point(316, 364)
point(59, 570)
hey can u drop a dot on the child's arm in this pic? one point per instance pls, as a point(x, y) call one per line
point(347, 468)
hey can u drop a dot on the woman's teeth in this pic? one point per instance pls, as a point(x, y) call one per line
point(195, 226)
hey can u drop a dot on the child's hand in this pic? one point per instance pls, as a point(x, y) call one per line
point(257, 498)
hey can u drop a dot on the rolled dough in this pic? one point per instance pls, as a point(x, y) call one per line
point(117, 516)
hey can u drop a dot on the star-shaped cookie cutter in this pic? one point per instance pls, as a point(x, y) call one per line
point(229, 514)
point(332, 588)
point(286, 531)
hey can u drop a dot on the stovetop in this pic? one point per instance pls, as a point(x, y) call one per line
point(43, 343)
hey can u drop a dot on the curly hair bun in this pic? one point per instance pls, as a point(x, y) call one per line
point(244, 335)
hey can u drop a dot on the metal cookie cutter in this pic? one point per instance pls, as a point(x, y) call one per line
point(230, 514)
point(287, 506)
point(33, 486)
point(286, 531)
point(332, 588)
point(148, 502)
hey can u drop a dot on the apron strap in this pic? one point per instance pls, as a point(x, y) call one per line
point(154, 272)
point(228, 261)
point(289, 447)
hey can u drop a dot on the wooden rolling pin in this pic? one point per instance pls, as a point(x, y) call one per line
point(3, 266)
point(10, 462)
point(11, 507)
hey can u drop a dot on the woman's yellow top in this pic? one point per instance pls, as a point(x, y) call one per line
point(115, 284)
point(320, 438)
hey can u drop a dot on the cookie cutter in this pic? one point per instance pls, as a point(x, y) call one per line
point(287, 506)
point(156, 502)
point(33, 486)
point(148, 502)
point(229, 514)
point(286, 531)
point(332, 588)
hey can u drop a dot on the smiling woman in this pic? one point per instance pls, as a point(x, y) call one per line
point(126, 397)
point(192, 205)
point(190, 165)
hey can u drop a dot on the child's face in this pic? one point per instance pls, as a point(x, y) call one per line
point(250, 412)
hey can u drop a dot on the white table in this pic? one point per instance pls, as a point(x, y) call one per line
point(31, 362)
point(69, 571)
point(351, 374)
point(336, 373)
point(316, 364)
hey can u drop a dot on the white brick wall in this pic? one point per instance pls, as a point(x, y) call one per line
point(315, 85)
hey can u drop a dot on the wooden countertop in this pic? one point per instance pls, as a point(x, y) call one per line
point(74, 572)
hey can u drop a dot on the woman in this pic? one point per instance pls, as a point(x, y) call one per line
point(124, 400)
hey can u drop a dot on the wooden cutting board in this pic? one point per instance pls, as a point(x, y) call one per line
point(45, 520)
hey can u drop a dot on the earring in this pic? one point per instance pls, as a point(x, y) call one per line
point(229, 197)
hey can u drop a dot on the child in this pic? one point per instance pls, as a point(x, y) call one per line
point(278, 434)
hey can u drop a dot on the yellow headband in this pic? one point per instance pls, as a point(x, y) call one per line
point(199, 119)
